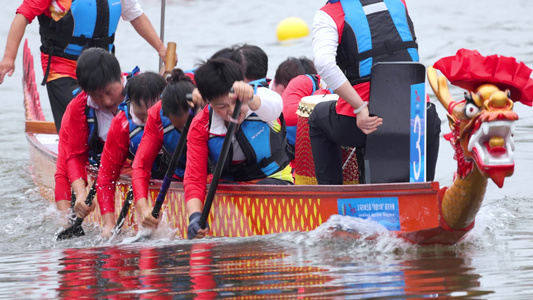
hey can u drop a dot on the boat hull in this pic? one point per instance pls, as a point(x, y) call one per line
point(411, 210)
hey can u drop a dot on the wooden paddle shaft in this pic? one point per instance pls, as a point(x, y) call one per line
point(40, 127)
point(171, 58)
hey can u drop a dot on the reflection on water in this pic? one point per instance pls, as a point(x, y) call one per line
point(210, 270)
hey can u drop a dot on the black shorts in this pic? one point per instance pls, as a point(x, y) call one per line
point(60, 93)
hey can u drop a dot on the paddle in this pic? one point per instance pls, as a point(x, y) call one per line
point(220, 164)
point(76, 229)
point(123, 212)
point(171, 60)
point(172, 166)
point(170, 171)
point(162, 28)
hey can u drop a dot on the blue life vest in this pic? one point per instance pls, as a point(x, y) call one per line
point(264, 150)
point(96, 145)
point(88, 23)
point(171, 137)
point(136, 134)
point(136, 131)
point(374, 31)
point(263, 82)
point(191, 71)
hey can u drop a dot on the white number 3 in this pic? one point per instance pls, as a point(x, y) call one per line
point(417, 126)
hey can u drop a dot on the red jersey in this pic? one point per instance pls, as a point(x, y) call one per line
point(113, 159)
point(73, 151)
point(343, 108)
point(150, 145)
point(299, 87)
point(194, 182)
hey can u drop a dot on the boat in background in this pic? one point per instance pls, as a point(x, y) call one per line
point(422, 213)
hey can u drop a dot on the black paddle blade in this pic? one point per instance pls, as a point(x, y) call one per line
point(72, 231)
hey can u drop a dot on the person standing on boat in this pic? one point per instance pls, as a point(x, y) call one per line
point(258, 150)
point(66, 28)
point(87, 120)
point(165, 122)
point(348, 38)
point(123, 138)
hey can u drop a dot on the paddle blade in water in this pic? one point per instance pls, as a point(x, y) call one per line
point(72, 231)
point(142, 236)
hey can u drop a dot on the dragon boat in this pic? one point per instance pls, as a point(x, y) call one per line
point(420, 212)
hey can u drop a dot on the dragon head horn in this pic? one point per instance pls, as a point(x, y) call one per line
point(439, 85)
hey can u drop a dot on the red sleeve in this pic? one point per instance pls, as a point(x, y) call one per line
point(76, 129)
point(151, 143)
point(191, 76)
point(62, 185)
point(114, 156)
point(33, 8)
point(195, 179)
point(299, 87)
point(405, 4)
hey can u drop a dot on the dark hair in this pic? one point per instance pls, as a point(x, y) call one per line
point(174, 97)
point(145, 87)
point(225, 52)
point(97, 68)
point(216, 77)
point(222, 53)
point(253, 61)
point(293, 67)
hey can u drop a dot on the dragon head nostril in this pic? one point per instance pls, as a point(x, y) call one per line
point(499, 99)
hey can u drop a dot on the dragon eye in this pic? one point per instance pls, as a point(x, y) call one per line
point(471, 110)
point(508, 94)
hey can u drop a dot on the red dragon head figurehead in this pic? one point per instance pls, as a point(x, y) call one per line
point(482, 124)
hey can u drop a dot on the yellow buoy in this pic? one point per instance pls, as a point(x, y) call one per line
point(292, 28)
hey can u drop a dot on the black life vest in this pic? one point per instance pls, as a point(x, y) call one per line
point(373, 31)
point(88, 23)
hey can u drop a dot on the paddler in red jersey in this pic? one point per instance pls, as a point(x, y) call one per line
point(257, 152)
point(164, 124)
point(87, 120)
point(123, 138)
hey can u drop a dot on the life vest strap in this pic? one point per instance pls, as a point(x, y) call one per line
point(78, 40)
point(135, 131)
point(387, 48)
point(168, 128)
